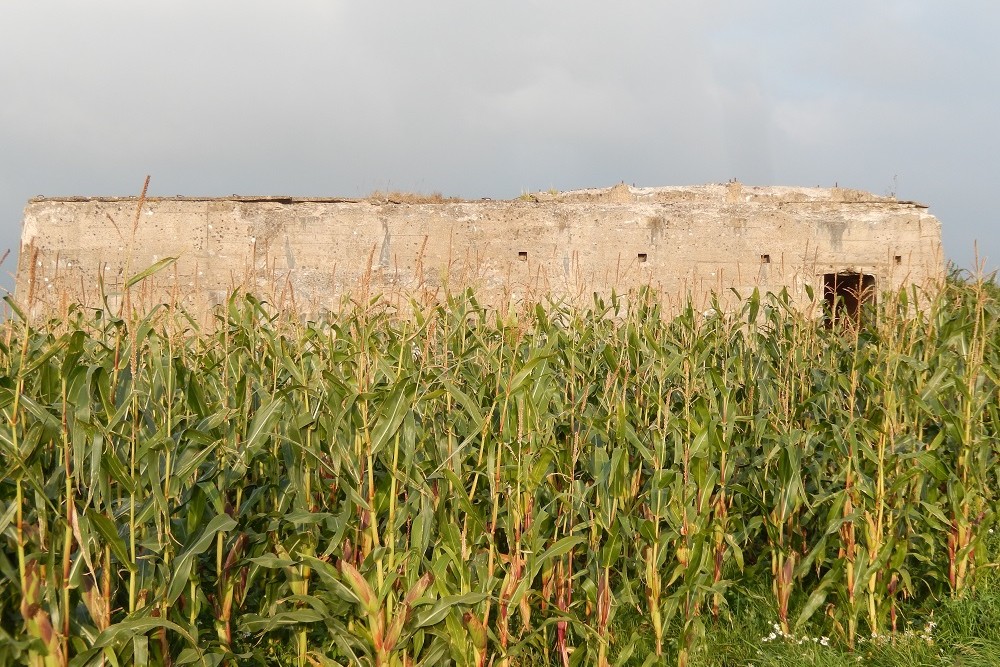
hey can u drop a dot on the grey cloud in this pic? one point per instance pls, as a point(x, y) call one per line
point(323, 97)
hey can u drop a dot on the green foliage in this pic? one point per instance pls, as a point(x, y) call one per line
point(602, 486)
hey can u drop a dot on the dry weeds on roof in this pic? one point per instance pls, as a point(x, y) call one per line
point(396, 197)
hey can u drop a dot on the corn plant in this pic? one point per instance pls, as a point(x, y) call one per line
point(460, 485)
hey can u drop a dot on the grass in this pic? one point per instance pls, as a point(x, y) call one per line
point(948, 631)
point(955, 632)
point(964, 632)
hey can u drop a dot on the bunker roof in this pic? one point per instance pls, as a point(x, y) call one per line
point(723, 192)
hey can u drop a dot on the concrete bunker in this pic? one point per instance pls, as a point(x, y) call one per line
point(704, 245)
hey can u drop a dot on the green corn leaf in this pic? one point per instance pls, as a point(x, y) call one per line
point(816, 600)
point(391, 414)
point(221, 523)
point(436, 613)
point(150, 270)
point(107, 530)
point(263, 422)
point(138, 627)
point(272, 561)
point(265, 624)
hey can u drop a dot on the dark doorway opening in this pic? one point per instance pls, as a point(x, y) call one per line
point(846, 295)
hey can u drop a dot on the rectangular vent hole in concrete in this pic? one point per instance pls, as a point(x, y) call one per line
point(523, 255)
point(643, 257)
point(898, 259)
point(765, 259)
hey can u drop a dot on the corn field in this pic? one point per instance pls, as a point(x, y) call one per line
point(468, 487)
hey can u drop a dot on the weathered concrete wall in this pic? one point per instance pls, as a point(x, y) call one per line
point(311, 253)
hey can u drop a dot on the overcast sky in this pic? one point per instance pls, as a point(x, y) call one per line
point(476, 99)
